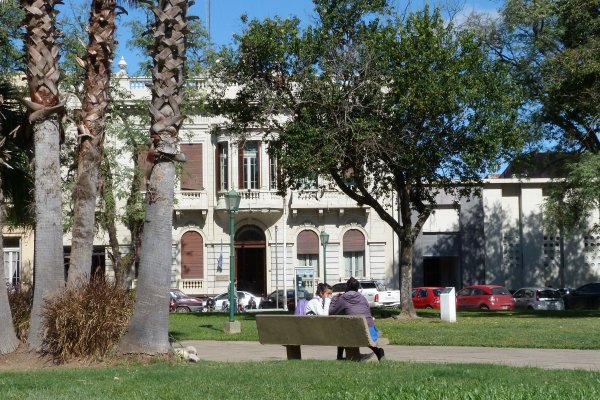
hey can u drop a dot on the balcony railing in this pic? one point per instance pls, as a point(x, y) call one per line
point(254, 200)
point(190, 200)
point(322, 199)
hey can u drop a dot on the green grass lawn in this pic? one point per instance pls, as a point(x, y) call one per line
point(306, 379)
point(550, 329)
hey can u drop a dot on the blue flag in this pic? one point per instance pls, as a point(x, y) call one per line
point(220, 263)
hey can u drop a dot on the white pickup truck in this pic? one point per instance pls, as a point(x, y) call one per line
point(374, 292)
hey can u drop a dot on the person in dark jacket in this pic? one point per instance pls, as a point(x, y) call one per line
point(353, 303)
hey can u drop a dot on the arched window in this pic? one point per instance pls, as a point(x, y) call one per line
point(354, 254)
point(192, 256)
point(308, 249)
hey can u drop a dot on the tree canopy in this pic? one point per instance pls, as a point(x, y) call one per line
point(397, 106)
point(552, 48)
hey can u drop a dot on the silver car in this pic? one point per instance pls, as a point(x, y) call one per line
point(538, 298)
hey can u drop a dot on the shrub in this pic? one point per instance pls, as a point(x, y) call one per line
point(86, 320)
point(20, 299)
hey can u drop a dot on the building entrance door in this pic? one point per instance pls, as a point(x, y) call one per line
point(441, 271)
point(250, 260)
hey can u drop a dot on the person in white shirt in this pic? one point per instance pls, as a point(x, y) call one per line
point(319, 305)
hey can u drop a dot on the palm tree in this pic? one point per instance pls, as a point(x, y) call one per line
point(44, 108)
point(91, 130)
point(148, 327)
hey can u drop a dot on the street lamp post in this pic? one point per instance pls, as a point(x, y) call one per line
point(232, 202)
point(324, 240)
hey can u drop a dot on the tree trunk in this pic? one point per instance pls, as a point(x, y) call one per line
point(48, 248)
point(91, 135)
point(406, 265)
point(42, 79)
point(148, 327)
point(8, 338)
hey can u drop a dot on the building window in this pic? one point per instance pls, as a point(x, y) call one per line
point(308, 249)
point(250, 165)
point(12, 265)
point(191, 175)
point(354, 254)
point(222, 167)
point(273, 173)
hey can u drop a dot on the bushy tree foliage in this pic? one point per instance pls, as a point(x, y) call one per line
point(403, 108)
point(552, 47)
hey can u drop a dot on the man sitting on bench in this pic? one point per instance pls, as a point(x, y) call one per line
point(353, 303)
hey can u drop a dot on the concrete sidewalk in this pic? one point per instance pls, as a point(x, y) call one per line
point(212, 350)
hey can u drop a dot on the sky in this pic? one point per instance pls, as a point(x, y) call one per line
point(225, 17)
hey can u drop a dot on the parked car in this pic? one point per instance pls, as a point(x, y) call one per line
point(276, 299)
point(181, 302)
point(485, 297)
point(586, 297)
point(245, 300)
point(538, 298)
point(375, 293)
point(426, 297)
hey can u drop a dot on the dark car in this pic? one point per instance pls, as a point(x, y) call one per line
point(538, 298)
point(586, 297)
point(181, 302)
point(275, 299)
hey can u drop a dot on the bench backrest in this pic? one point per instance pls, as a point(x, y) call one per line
point(333, 330)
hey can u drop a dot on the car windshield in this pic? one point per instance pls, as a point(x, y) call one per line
point(549, 294)
point(437, 292)
point(178, 295)
point(368, 285)
point(500, 290)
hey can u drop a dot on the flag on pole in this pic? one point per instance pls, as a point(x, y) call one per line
point(220, 259)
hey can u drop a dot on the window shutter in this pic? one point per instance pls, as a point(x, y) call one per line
point(241, 166)
point(192, 256)
point(308, 242)
point(354, 240)
point(144, 166)
point(191, 175)
point(218, 167)
point(258, 164)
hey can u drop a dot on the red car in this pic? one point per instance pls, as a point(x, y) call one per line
point(426, 297)
point(485, 297)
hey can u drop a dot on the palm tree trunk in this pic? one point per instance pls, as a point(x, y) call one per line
point(91, 135)
point(48, 248)
point(42, 76)
point(149, 326)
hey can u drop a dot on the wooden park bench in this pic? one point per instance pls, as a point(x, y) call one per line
point(291, 331)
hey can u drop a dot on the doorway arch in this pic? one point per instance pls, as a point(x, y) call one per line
point(250, 259)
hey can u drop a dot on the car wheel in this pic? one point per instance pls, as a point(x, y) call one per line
point(484, 307)
point(183, 309)
point(428, 306)
point(530, 308)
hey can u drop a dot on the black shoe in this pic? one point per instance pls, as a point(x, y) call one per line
point(379, 353)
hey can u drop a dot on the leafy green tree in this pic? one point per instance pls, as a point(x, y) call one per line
point(404, 108)
point(551, 47)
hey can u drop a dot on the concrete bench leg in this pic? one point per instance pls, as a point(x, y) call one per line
point(353, 353)
point(293, 352)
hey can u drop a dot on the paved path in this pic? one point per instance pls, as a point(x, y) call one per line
point(213, 350)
